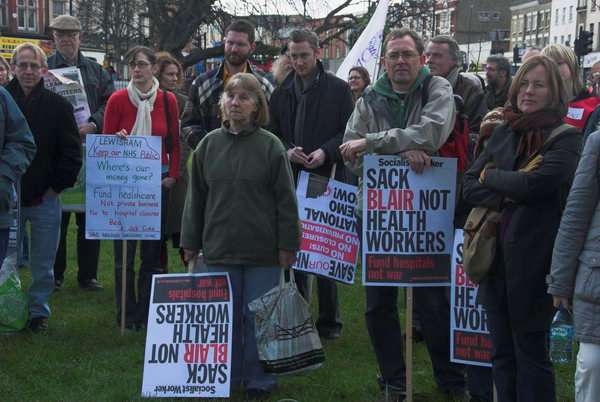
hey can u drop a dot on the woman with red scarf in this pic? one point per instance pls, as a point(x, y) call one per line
point(525, 171)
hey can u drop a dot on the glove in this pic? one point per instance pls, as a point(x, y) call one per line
point(534, 163)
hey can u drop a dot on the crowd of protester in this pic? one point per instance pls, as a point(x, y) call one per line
point(249, 136)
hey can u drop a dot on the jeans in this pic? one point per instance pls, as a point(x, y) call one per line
point(45, 230)
point(136, 307)
point(522, 368)
point(4, 233)
point(247, 283)
point(88, 250)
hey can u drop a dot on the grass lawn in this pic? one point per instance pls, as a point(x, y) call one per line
point(83, 356)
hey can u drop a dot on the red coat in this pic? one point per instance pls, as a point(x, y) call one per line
point(580, 109)
point(120, 114)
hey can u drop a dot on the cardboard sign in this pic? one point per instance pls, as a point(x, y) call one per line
point(329, 234)
point(407, 222)
point(188, 343)
point(470, 342)
point(123, 191)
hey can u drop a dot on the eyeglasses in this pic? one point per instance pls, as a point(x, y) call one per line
point(140, 64)
point(66, 34)
point(25, 66)
point(406, 56)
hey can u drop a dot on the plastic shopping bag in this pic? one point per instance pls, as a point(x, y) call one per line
point(286, 336)
point(13, 301)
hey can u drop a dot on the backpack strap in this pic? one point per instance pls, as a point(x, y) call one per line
point(425, 91)
point(553, 134)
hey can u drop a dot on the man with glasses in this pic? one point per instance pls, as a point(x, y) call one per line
point(309, 112)
point(98, 86)
point(202, 113)
point(390, 119)
point(53, 169)
point(497, 74)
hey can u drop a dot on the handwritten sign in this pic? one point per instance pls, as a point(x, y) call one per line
point(329, 239)
point(123, 187)
point(188, 344)
point(408, 222)
point(470, 341)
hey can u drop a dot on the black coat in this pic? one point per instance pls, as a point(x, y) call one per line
point(58, 158)
point(328, 110)
point(527, 249)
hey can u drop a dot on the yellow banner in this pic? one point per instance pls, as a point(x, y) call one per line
point(7, 45)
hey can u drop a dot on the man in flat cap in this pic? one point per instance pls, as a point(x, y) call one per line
point(67, 35)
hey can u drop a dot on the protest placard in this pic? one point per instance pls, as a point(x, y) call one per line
point(188, 343)
point(470, 342)
point(67, 82)
point(407, 222)
point(123, 187)
point(329, 235)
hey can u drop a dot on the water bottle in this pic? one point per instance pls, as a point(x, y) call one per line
point(561, 336)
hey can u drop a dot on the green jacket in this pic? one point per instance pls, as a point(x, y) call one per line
point(241, 206)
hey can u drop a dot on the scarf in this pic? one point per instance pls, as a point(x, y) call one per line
point(532, 127)
point(144, 102)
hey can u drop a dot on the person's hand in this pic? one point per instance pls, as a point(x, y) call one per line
point(533, 164)
point(297, 156)
point(419, 160)
point(315, 159)
point(122, 134)
point(168, 182)
point(566, 302)
point(51, 193)
point(351, 149)
point(190, 255)
point(287, 258)
point(87, 128)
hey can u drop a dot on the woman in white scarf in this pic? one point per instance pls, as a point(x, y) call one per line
point(140, 110)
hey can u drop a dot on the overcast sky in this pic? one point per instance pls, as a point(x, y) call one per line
point(314, 8)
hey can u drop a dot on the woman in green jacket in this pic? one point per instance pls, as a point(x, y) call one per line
point(241, 210)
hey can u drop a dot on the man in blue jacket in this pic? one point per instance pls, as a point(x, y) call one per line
point(16, 152)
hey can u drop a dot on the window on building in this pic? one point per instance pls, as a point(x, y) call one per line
point(555, 39)
point(521, 23)
point(495, 16)
point(562, 39)
point(571, 14)
point(27, 15)
point(568, 43)
point(556, 17)
point(515, 22)
point(564, 15)
point(533, 18)
point(59, 7)
point(547, 24)
point(484, 16)
point(582, 3)
point(3, 13)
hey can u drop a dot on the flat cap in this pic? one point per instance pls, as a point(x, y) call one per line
point(66, 23)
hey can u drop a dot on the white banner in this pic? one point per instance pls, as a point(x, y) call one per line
point(367, 49)
point(329, 235)
point(407, 222)
point(188, 343)
point(123, 192)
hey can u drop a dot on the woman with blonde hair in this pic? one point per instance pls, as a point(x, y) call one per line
point(524, 172)
point(581, 102)
point(241, 210)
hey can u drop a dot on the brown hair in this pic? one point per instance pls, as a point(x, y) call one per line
point(165, 60)
point(249, 83)
point(558, 94)
point(7, 67)
point(146, 51)
point(364, 73)
point(241, 26)
point(402, 32)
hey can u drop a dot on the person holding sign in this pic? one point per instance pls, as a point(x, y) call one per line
point(389, 119)
point(53, 169)
point(241, 210)
point(67, 34)
point(140, 109)
point(525, 171)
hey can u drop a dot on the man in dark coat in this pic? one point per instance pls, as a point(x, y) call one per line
point(309, 112)
point(497, 74)
point(67, 33)
point(54, 168)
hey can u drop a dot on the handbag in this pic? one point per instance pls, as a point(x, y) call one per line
point(481, 230)
point(286, 336)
